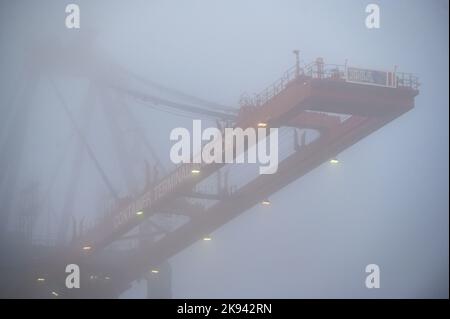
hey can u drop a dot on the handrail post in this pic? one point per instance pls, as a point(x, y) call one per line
point(297, 63)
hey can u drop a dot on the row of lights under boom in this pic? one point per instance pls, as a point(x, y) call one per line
point(265, 202)
point(87, 248)
point(206, 238)
point(194, 172)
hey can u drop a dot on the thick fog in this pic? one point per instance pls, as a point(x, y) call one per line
point(385, 203)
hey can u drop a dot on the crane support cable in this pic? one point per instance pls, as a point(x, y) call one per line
point(84, 141)
point(179, 94)
point(176, 105)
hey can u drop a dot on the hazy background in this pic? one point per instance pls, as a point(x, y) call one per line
point(385, 203)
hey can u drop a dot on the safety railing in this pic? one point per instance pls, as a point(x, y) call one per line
point(407, 80)
point(316, 70)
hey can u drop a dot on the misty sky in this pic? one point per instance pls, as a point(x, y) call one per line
point(385, 203)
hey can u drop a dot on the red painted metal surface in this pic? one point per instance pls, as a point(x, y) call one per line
point(295, 103)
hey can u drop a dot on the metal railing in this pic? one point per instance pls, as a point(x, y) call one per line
point(407, 80)
point(272, 90)
point(316, 70)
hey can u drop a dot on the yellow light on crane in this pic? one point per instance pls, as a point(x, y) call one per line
point(40, 279)
point(155, 271)
point(265, 202)
point(207, 238)
point(334, 161)
point(195, 171)
point(87, 248)
point(262, 124)
point(139, 213)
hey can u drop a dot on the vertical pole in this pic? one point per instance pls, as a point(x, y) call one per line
point(320, 67)
point(296, 143)
point(345, 69)
point(297, 63)
point(219, 182)
point(394, 76)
